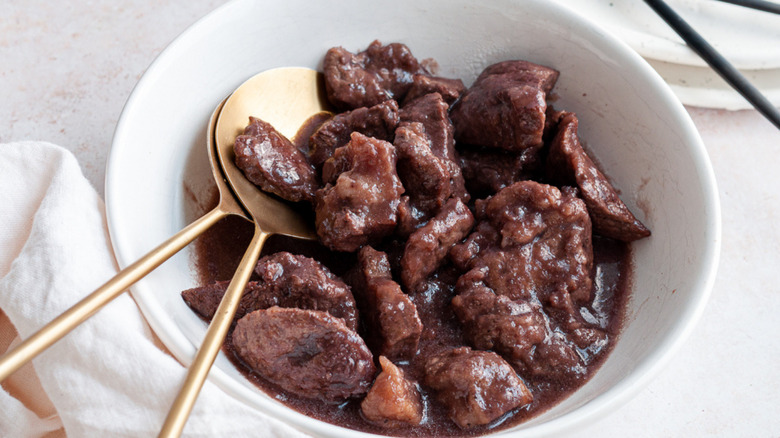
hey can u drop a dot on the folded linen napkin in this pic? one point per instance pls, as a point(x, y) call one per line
point(107, 377)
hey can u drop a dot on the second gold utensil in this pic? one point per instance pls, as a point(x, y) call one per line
point(286, 98)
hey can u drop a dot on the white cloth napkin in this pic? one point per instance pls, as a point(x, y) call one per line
point(107, 377)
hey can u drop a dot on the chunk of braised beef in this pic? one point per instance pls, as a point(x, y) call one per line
point(477, 387)
point(568, 163)
point(393, 325)
point(523, 333)
point(505, 108)
point(307, 352)
point(427, 161)
point(487, 171)
point(433, 112)
point(378, 121)
point(427, 248)
point(425, 176)
point(273, 163)
point(305, 283)
point(509, 327)
point(393, 400)
point(524, 72)
point(359, 203)
point(544, 243)
point(530, 263)
point(205, 299)
point(380, 73)
point(284, 280)
point(556, 358)
point(449, 89)
point(499, 115)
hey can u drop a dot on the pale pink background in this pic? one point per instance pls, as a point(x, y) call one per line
point(66, 69)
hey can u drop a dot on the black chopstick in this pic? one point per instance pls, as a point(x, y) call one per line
point(715, 60)
point(761, 5)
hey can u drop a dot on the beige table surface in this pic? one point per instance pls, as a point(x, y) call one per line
point(67, 67)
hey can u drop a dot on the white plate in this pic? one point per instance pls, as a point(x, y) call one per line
point(633, 124)
point(748, 38)
point(702, 87)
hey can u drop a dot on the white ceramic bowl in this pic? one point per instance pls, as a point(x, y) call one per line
point(630, 120)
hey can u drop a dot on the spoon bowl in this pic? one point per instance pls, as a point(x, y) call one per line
point(286, 98)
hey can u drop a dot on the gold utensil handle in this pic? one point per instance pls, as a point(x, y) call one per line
point(68, 320)
point(215, 336)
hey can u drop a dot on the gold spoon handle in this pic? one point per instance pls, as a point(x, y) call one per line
point(215, 336)
point(68, 320)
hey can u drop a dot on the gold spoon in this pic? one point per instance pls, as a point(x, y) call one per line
point(71, 318)
point(286, 98)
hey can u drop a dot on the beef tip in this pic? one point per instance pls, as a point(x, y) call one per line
point(359, 203)
point(427, 162)
point(427, 247)
point(394, 327)
point(273, 163)
point(449, 89)
point(305, 283)
point(487, 171)
point(501, 115)
point(425, 176)
point(522, 333)
point(556, 358)
point(306, 352)
point(511, 328)
point(433, 112)
point(378, 121)
point(285, 280)
point(531, 257)
point(524, 72)
point(370, 77)
point(477, 387)
point(505, 108)
point(206, 299)
point(567, 163)
point(393, 400)
point(545, 243)
point(525, 209)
